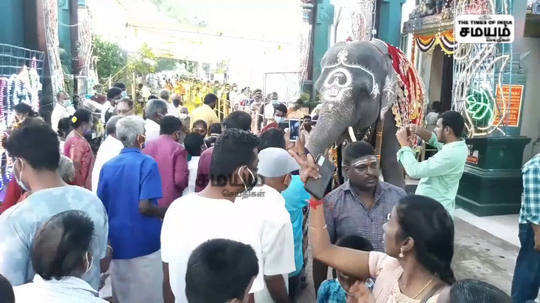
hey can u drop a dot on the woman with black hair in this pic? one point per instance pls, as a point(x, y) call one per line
point(79, 150)
point(23, 111)
point(61, 255)
point(419, 245)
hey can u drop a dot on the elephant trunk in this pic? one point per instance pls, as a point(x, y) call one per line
point(332, 123)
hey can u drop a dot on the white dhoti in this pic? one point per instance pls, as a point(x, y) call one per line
point(138, 279)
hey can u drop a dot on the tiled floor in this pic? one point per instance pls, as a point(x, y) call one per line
point(504, 227)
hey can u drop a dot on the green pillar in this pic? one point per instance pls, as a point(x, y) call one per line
point(12, 23)
point(390, 21)
point(324, 19)
point(64, 36)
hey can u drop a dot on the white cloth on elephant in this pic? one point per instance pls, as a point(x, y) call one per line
point(138, 279)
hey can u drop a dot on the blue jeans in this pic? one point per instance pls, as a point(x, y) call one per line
point(527, 272)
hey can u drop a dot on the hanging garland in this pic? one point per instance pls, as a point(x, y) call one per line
point(409, 91)
point(445, 39)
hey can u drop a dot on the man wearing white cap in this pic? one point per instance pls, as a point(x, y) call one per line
point(275, 229)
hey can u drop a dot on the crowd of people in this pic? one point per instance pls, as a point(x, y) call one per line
point(185, 205)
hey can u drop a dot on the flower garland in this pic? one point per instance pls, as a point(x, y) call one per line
point(445, 39)
point(410, 104)
point(3, 86)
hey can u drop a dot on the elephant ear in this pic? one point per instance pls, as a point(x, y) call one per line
point(389, 97)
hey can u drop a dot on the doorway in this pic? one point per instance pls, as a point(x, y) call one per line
point(441, 78)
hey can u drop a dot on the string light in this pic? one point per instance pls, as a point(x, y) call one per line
point(468, 97)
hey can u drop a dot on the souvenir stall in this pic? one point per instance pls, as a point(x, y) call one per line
point(19, 82)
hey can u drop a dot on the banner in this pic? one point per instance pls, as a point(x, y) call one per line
point(484, 28)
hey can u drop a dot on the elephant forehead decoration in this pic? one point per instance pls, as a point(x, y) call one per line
point(339, 82)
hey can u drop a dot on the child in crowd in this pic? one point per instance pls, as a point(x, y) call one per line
point(336, 290)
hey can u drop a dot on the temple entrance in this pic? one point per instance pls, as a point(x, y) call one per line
point(441, 78)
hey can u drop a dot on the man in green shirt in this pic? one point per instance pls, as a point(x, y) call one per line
point(440, 174)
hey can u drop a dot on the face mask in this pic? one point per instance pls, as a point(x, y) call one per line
point(124, 94)
point(279, 119)
point(19, 179)
point(183, 116)
point(251, 183)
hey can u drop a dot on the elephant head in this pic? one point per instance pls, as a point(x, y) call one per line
point(353, 88)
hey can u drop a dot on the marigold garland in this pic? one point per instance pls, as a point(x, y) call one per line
point(445, 39)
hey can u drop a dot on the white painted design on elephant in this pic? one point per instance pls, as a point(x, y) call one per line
point(343, 61)
point(336, 85)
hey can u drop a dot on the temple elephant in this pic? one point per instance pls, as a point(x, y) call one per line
point(357, 88)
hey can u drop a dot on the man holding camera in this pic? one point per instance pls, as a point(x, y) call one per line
point(440, 174)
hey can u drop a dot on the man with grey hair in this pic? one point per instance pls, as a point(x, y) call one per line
point(165, 95)
point(129, 187)
point(109, 148)
point(155, 110)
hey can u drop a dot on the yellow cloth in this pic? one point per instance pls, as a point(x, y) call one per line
point(205, 113)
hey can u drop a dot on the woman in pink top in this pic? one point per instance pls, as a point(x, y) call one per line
point(419, 245)
point(79, 150)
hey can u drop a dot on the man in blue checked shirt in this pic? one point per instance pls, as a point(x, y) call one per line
point(527, 272)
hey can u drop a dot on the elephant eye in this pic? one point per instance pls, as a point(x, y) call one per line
point(341, 78)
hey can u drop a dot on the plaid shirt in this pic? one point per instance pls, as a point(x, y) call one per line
point(530, 205)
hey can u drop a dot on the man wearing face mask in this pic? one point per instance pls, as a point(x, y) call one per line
point(61, 255)
point(34, 148)
point(171, 158)
point(62, 109)
point(440, 174)
point(361, 205)
point(198, 217)
point(280, 114)
point(267, 206)
point(130, 186)
point(107, 110)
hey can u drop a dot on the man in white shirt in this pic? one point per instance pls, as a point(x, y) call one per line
point(155, 110)
point(62, 109)
point(110, 148)
point(196, 218)
point(107, 110)
point(267, 206)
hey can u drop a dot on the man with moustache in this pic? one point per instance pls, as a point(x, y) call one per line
point(361, 205)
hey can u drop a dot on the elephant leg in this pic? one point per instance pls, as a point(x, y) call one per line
point(391, 169)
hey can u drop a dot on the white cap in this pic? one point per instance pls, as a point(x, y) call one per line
point(276, 162)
